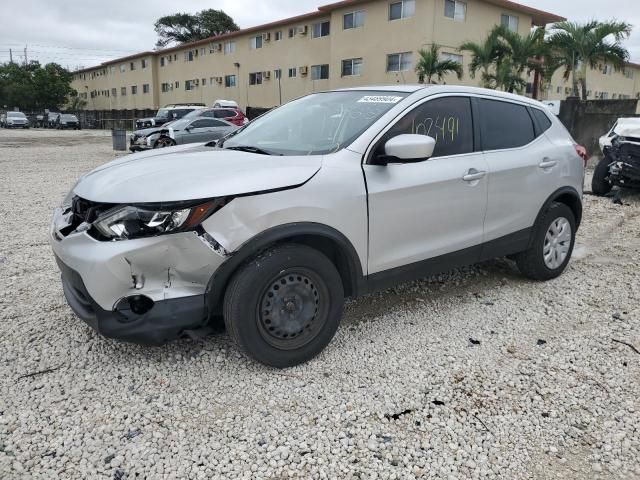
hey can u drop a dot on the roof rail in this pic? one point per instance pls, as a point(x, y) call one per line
point(171, 105)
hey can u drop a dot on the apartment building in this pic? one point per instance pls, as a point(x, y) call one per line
point(603, 83)
point(344, 44)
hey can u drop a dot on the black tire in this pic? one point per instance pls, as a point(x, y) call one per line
point(600, 184)
point(284, 307)
point(531, 262)
point(164, 142)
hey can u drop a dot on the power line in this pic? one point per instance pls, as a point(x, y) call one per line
point(72, 48)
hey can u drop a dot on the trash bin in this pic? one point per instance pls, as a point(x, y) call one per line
point(119, 137)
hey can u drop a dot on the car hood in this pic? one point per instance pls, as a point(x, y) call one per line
point(192, 172)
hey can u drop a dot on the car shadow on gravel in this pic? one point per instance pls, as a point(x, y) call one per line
point(473, 282)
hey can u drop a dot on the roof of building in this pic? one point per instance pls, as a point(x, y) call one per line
point(539, 18)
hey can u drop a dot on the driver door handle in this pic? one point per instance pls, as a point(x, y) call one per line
point(548, 163)
point(473, 175)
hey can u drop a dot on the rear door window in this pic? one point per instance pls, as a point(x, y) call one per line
point(447, 120)
point(505, 125)
point(205, 123)
point(225, 113)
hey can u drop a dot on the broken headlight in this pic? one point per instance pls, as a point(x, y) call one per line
point(129, 222)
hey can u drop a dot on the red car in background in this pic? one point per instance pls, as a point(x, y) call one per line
point(232, 115)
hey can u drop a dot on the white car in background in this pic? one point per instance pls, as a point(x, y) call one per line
point(621, 123)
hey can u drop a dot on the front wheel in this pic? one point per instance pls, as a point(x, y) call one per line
point(284, 307)
point(554, 236)
point(600, 184)
point(164, 142)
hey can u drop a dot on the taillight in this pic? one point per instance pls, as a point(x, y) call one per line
point(582, 153)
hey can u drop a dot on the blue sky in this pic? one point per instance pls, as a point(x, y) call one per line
point(84, 33)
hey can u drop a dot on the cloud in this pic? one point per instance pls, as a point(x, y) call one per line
point(97, 31)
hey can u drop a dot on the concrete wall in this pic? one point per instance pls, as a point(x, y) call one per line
point(589, 120)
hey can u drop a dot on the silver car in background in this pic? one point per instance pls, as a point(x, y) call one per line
point(336, 194)
point(15, 120)
point(191, 129)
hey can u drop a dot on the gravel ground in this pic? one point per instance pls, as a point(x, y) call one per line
point(474, 374)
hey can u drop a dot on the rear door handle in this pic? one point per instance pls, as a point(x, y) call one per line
point(546, 163)
point(473, 175)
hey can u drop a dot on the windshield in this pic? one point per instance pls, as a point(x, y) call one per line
point(317, 124)
point(163, 113)
point(69, 117)
point(193, 114)
point(16, 114)
point(178, 124)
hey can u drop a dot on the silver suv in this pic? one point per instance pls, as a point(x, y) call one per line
point(334, 195)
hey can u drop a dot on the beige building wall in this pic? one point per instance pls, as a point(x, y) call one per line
point(602, 83)
point(205, 64)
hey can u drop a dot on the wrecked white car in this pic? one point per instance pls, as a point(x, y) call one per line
point(621, 163)
point(333, 195)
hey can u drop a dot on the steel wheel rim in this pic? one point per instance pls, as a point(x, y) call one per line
point(292, 310)
point(557, 243)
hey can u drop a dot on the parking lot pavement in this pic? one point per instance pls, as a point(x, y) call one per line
point(476, 374)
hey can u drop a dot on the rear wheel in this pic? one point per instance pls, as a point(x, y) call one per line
point(164, 142)
point(553, 240)
point(284, 307)
point(600, 184)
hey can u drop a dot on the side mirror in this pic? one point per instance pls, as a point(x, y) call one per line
point(410, 148)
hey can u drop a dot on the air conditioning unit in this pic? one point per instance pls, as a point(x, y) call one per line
point(266, 36)
point(303, 30)
point(219, 79)
point(266, 75)
point(304, 70)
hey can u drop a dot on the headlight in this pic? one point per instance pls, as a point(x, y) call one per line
point(150, 140)
point(129, 222)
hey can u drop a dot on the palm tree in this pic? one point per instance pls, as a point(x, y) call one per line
point(430, 65)
point(505, 56)
point(580, 46)
point(484, 55)
point(525, 52)
point(506, 77)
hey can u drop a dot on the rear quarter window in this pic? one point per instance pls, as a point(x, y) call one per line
point(544, 123)
point(505, 125)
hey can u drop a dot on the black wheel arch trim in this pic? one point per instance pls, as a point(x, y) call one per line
point(570, 197)
point(350, 267)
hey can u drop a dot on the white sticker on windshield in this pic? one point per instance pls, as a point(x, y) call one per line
point(380, 99)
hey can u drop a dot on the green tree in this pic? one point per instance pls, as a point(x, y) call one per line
point(506, 56)
point(430, 65)
point(75, 102)
point(186, 27)
point(484, 55)
point(579, 46)
point(32, 87)
point(505, 77)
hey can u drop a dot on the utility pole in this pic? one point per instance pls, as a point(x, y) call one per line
point(25, 55)
point(10, 55)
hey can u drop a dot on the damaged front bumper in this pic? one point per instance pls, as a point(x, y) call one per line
point(147, 291)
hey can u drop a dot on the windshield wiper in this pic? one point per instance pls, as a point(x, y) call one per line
point(247, 148)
